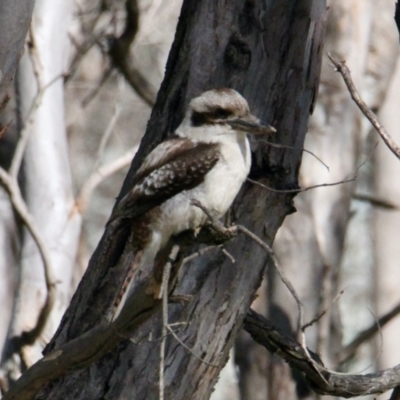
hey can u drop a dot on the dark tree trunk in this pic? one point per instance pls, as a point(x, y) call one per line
point(270, 53)
point(15, 18)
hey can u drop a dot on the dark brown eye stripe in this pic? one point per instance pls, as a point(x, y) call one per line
point(207, 118)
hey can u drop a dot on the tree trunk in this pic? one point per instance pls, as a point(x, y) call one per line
point(47, 185)
point(15, 17)
point(217, 44)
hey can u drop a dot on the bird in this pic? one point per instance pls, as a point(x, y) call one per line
point(207, 158)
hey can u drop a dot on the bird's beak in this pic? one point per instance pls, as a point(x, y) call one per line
point(250, 124)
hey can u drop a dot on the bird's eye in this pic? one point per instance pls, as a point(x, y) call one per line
point(220, 113)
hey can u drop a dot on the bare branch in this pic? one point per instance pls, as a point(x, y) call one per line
point(349, 351)
point(99, 175)
point(92, 94)
point(120, 55)
point(375, 201)
point(344, 71)
point(284, 146)
point(169, 327)
point(332, 383)
point(18, 203)
point(280, 271)
point(82, 50)
point(322, 313)
point(229, 255)
point(107, 133)
point(221, 230)
point(200, 253)
point(301, 189)
point(24, 134)
point(164, 295)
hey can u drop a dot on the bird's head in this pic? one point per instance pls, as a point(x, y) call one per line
point(224, 108)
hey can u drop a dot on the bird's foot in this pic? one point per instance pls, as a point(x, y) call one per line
point(222, 234)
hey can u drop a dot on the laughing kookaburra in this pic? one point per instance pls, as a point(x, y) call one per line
point(207, 159)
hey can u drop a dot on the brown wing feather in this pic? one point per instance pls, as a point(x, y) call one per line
point(172, 167)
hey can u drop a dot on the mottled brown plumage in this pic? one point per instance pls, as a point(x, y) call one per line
point(208, 159)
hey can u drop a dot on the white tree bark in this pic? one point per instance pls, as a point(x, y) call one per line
point(47, 178)
point(387, 226)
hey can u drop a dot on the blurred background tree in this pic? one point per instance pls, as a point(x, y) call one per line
point(80, 101)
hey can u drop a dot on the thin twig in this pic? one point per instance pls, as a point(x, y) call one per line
point(280, 271)
point(285, 146)
point(301, 189)
point(83, 48)
point(189, 349)
point(229, 255)
point(24, 134)
point(107, 133)
point(322, 313)
point(375, 201)
point(164, 295)
point(217, 225)
point(344, 71)
point(28, 118)
point(18, 203)
point(99, 175)
point(348, 352)
point(200, 253)
point(379, 352)
point(93, 93)
point(166, 326)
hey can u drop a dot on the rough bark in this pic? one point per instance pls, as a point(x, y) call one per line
point(15, 17)
point(217, 44)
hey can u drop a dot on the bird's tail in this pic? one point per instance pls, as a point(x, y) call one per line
point(122, 295)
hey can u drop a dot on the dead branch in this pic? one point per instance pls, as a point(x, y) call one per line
point(335, 384)
point(99, 175)
point(285, 146)
point(375, 201)
point(322, 313)
point(82, 50)
point(24, 134)
point(280, 271)
point(120, 55)
point(93, 93)
point(164, 296)
point(350, 350)
point(100, 172)
point(344, 71)
point(11, 186)
point(10, 183)
point(301, 189)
